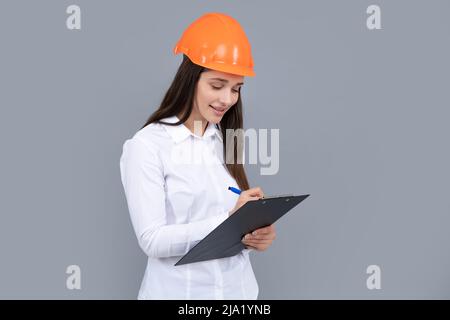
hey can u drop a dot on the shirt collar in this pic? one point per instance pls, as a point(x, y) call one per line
point(181, 132)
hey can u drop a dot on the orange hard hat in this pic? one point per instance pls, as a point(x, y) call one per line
point(217, 41)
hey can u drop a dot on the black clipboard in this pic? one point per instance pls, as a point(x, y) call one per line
point(225, 240)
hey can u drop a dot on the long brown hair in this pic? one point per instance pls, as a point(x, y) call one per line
point(179, 99)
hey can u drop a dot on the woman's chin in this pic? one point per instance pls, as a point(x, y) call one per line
point(216, 120)
point(213, 118)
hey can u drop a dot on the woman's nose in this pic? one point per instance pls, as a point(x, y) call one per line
point(226, 97)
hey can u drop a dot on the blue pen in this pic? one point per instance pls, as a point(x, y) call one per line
point(235, 190)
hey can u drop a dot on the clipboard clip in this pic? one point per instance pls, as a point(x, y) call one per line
point(277, 196)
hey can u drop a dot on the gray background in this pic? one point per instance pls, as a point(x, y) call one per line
point(363, 118)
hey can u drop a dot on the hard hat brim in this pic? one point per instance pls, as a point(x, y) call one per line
point(214, 65)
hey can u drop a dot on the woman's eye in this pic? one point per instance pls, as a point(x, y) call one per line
point(218, 88)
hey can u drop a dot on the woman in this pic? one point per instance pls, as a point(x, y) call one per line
point(175, 202)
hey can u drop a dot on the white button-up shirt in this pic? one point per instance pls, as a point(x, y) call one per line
point(176, 187)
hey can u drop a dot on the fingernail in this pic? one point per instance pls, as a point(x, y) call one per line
point(254, 233)
point(247, 236)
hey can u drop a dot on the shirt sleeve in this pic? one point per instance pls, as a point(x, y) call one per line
point(142, 177)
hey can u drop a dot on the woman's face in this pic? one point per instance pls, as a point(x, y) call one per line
point(216, 93)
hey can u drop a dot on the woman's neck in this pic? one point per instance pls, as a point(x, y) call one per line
point(190, 123)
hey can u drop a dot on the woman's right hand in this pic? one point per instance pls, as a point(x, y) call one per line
point(247, 195)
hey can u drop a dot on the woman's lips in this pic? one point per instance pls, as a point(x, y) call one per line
point(218, 112)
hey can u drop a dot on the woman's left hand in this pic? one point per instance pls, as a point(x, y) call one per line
point(260, 239)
